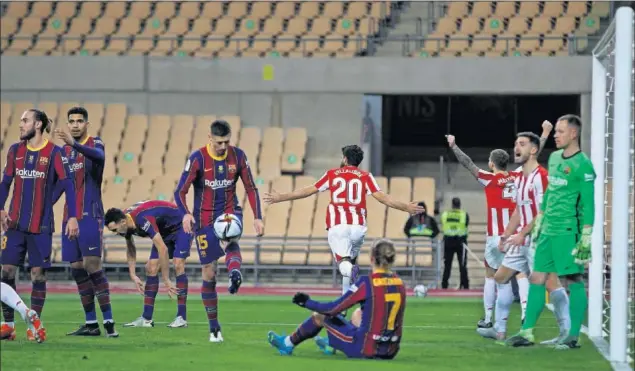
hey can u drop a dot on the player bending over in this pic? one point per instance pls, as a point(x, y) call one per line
point(530, 187)
point(375, 328)
point(161, 222)
point(562, 232)
point(213, 171)
point(13, 300)
point(346, 213)
point(499, 195)
point(35, 166)
point(86, 157)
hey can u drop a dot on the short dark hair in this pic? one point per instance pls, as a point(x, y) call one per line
point(41, 116)
point(78, 111)
point(456, 203)
point(220, 128)
point(354, 154)
point(114, 215)
point(384, 252)
point(533, 138)
point(500, 159)
point(572, 119)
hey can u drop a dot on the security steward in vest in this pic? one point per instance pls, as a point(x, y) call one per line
point(421, 225)
point(454, 224)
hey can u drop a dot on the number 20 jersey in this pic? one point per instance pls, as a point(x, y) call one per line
point(500, 195)
point(349, 186)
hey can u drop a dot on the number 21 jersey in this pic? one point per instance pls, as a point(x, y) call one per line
point(348, 186)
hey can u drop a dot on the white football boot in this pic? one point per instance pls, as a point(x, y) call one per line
point(178, 322)
point(140, 322)
point(215, 338)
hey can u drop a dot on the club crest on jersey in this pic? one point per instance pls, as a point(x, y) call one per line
point(567, 170)
point(44, 161)
point(231, 168)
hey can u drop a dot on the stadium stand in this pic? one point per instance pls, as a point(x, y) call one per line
point(146, 155)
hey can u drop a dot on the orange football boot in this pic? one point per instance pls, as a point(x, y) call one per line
point(36, 331)
point(7, 332)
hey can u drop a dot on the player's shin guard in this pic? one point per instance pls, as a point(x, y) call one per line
point(233, 260)
point(181, 287)
point(86, 293)
point(149, 295)
point(560, 302)
point(523, 292)
point(504, 300)
point(38, 296)
point(489, 298)
point(577, 308)
point(102, 291)
point(307, 330)
point(8, 313)
point(210, 301)
point(535, 305)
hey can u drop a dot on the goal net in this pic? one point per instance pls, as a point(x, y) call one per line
point(611, 274)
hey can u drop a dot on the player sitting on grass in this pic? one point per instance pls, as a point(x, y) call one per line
point(562, 232)
point(160, 221)
point(13, 300)
point(374, 330)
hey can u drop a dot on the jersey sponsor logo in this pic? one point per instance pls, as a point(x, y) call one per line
point(218, 184)
point(146, 226)
point(30, 174)
point(76, 167)
point(589, 177)
point(64, 160)
point(31, 158)
point(557, 181)
point(221, 169)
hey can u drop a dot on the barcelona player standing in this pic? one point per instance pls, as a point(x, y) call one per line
point(213, 171)
point(35, 166)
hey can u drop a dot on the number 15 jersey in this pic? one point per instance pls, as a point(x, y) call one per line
point(349, 186)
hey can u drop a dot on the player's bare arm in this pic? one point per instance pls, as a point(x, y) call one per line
point(411, 208)
point(190, 173)
point(274, 197)
point(131, 259)
point(547, 127)
point(252, 195)
point(63, 172)
point(164, 264)
point(464, 159)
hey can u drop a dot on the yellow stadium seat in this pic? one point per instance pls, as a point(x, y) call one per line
point(600, 8)
point(17, 9)
point(553, 9)
point(505, 9)
point(140, 189)
point(481, 9)
point(457, 9)
point(163, 187)
point(90, 10)
point(424, 189)
point(529, 9)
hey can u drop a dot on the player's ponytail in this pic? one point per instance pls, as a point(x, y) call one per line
point(384, 253)
point(41, 116)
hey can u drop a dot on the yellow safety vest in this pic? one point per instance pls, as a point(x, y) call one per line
point(454, 223)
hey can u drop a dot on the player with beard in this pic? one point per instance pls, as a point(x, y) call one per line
point(35, 166)
point(87, 157)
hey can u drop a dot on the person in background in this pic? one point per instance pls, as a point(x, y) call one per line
point(421, 225)
point(455, 223)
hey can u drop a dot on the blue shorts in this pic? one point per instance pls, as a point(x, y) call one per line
point(178, 246)
point(343, 336)
point(88, 243)
point(208, 245)
point(16, 245)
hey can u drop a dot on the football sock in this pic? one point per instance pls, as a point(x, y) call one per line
point(86, 293)
point(523, 292)
point(346, 284)
point(210, 301)
point(535, 305)
point(560, 302)
point(7, 311)
point(149, 295)
point(38, 296)
point(489, 298)
point(354, 273)
point(577, 308)
point(308, 329)
point(13, 300)
point(233, 260)
point(102, 291)
point(181, 286)
point(504, 300)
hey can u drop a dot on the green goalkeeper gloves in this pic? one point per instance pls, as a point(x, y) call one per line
point(582, 251)
point(535, 231)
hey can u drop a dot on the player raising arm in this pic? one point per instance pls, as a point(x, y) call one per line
point(346, 214)
point(161, 222)
point(213, 171)
point(35, 166)
point(375, 328)
point(562, 232)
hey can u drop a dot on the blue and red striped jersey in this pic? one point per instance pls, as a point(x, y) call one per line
point(36, 173)
point(154, 216)
point(382, 296)
point(214, 180)
point(86, 162)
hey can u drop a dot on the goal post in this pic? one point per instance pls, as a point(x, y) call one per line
point(611, 271)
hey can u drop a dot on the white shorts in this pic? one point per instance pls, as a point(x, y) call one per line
point(520, 259)
point(493, 256)
point(346, 240)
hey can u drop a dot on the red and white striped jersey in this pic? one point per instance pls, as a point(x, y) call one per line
point(349, 186)
point(529, 191)
point(500, 195)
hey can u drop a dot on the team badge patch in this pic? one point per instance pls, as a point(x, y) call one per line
point(231, 168)
point(44, 160)
point(567, 170)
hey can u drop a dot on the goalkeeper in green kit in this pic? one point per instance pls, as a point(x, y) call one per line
point(561, 236)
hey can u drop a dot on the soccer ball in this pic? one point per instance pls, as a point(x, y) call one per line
point(228, 227)
point(421, 291)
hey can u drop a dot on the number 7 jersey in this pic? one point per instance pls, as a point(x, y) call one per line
point(348, 186)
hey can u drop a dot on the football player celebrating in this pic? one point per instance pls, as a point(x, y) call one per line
point(346, 213)
point(213, 171)
point(375, 328)
point(161, 222)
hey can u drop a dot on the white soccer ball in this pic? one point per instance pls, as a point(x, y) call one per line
point(228, 227)
point(421, 291)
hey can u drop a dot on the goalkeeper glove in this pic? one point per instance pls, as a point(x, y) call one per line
point(300, 299)
point(582, 251)
point(535, 231)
